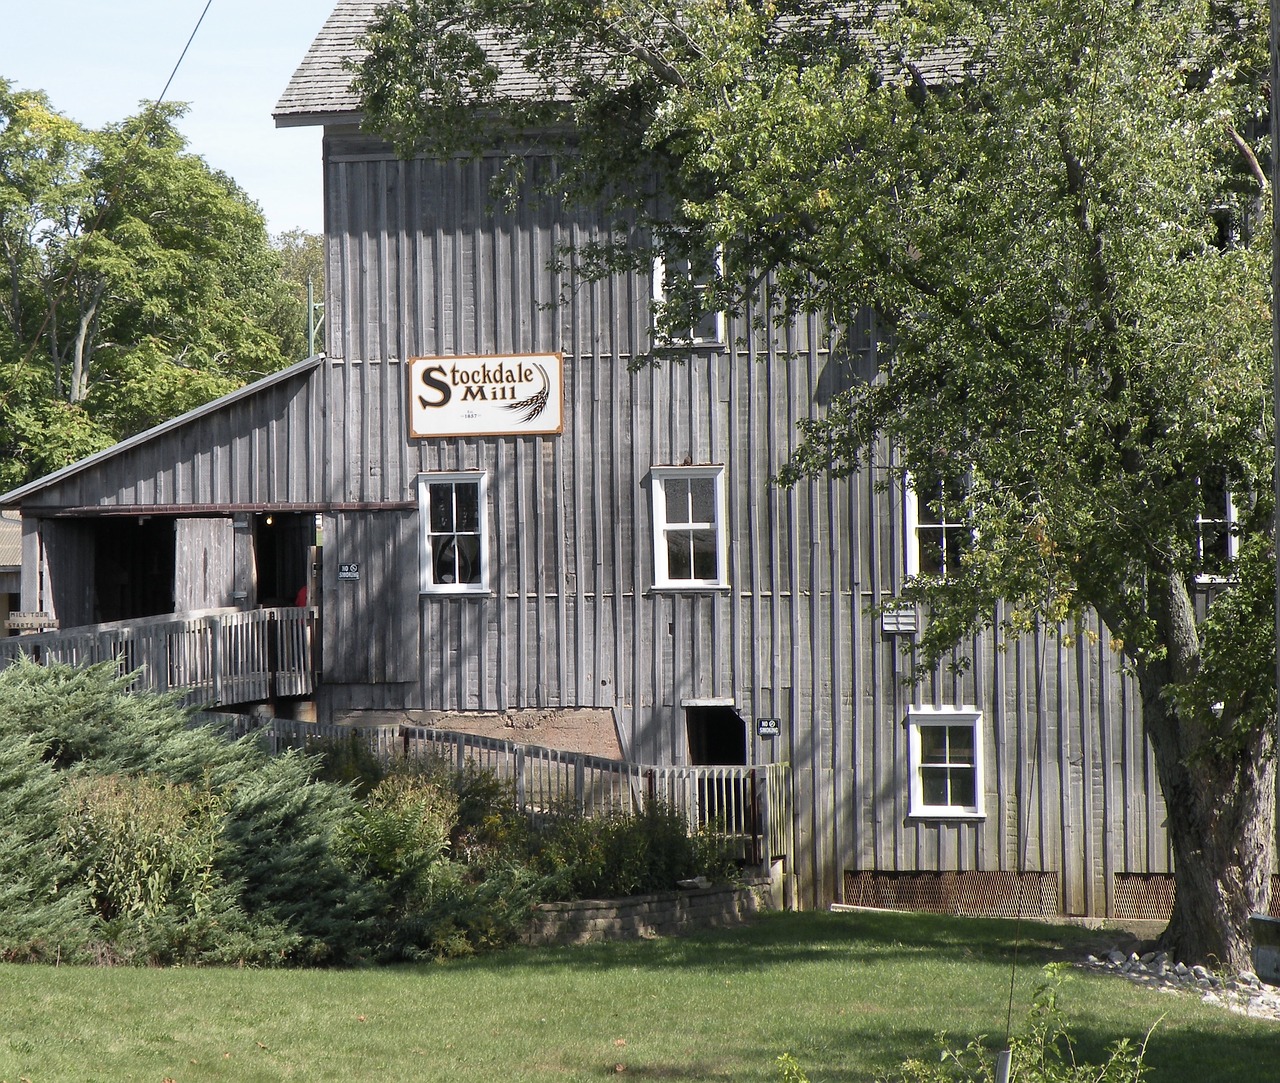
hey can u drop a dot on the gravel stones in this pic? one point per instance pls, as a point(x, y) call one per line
point(1243, 992)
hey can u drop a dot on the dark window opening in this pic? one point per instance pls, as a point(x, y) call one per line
point(717, 735)
point(133, 568)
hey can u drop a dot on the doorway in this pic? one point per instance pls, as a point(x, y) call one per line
point(282, 544)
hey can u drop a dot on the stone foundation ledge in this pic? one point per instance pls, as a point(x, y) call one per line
point(642, 917)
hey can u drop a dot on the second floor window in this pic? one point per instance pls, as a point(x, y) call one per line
point(937, 532)
point(1215, 536)
point(689, 526)
point(679, 287)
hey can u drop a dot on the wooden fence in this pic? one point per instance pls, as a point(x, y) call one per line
point(749, 805)
point(218, 657)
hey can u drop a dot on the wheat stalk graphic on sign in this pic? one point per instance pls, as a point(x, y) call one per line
point(532, 407)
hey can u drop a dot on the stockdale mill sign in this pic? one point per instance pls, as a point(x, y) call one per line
point(517, 395)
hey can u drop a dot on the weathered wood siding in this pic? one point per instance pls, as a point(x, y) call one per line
point(261, 449)
point(204, 564)
point(422, 263)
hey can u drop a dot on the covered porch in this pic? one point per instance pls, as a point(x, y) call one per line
point(220, 657)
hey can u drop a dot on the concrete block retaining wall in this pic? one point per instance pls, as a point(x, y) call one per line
point(666, 913)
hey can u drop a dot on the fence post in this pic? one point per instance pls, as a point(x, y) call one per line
point(215, 658)
point(580, 783)
point(522, 794)
point(759, 822)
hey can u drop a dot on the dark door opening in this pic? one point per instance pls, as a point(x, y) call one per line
point(282, 544)
point(717, 735)
point(133, 565)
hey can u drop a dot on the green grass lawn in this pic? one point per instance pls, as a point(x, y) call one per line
point(848, 995)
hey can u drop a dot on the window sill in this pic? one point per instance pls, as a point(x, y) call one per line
point(689, 588)
point(946, 814)
point(457, 592)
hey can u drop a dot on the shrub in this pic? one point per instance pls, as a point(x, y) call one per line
point(347, 760)
point(281, 849)
point(44, 913)
point(623, 854)
point(144, 846)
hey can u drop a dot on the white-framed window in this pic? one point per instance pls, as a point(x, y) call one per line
point(689, 535)
point(453, 511)
point(935, 527)
point(944, 755)
point(678, 285)
point(1216, 539)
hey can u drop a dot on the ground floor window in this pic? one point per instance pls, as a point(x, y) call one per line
point(453, 511)
point(944, 749)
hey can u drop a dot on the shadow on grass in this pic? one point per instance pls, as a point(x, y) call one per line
point(816, 936)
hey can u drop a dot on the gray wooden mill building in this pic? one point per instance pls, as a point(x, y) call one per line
point(510, 520)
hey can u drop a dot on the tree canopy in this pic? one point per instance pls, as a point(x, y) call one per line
point(136, 283)
point(1060, 211)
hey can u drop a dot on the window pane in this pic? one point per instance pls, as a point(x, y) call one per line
point(929, 541)
point(960, 739)
point(679, 555)
point(933, 744)
point(1214, 552)
point(933, 785)
point(703, 494)
point(705, 563)
point(468, 549)
point(455, 559)
point(955, 540)
point(707, 328)
point(963, 787)
point(440, 500)
point(466, 495)
point(1213, 497)
point(676, 492)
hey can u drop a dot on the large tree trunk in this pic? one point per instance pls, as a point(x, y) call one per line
point(1219, 792)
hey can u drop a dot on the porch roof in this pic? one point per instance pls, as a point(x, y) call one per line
point(15, 497)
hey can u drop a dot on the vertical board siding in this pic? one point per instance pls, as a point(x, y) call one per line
point(423, 262)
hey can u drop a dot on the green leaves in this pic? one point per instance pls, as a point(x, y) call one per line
point(135, 282)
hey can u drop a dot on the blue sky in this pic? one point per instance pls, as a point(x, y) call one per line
point(97, 59)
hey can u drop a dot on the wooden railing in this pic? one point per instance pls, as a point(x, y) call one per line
point(219, 657)
point(750, 805)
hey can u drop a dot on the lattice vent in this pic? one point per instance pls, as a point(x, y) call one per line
point(974, 894)
point(1149, 896)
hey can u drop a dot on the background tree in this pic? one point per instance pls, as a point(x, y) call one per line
point(301, 256)
point(1056, 209)
point(137, 282)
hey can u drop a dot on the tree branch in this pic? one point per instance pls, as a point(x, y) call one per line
point(1251, 159)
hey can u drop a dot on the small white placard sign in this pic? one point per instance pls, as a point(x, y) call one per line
point(516, 395)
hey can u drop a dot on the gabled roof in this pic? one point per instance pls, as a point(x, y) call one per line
point(320, 90)
point(24, 492)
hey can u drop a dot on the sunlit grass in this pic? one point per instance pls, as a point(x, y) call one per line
point(849, 995)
